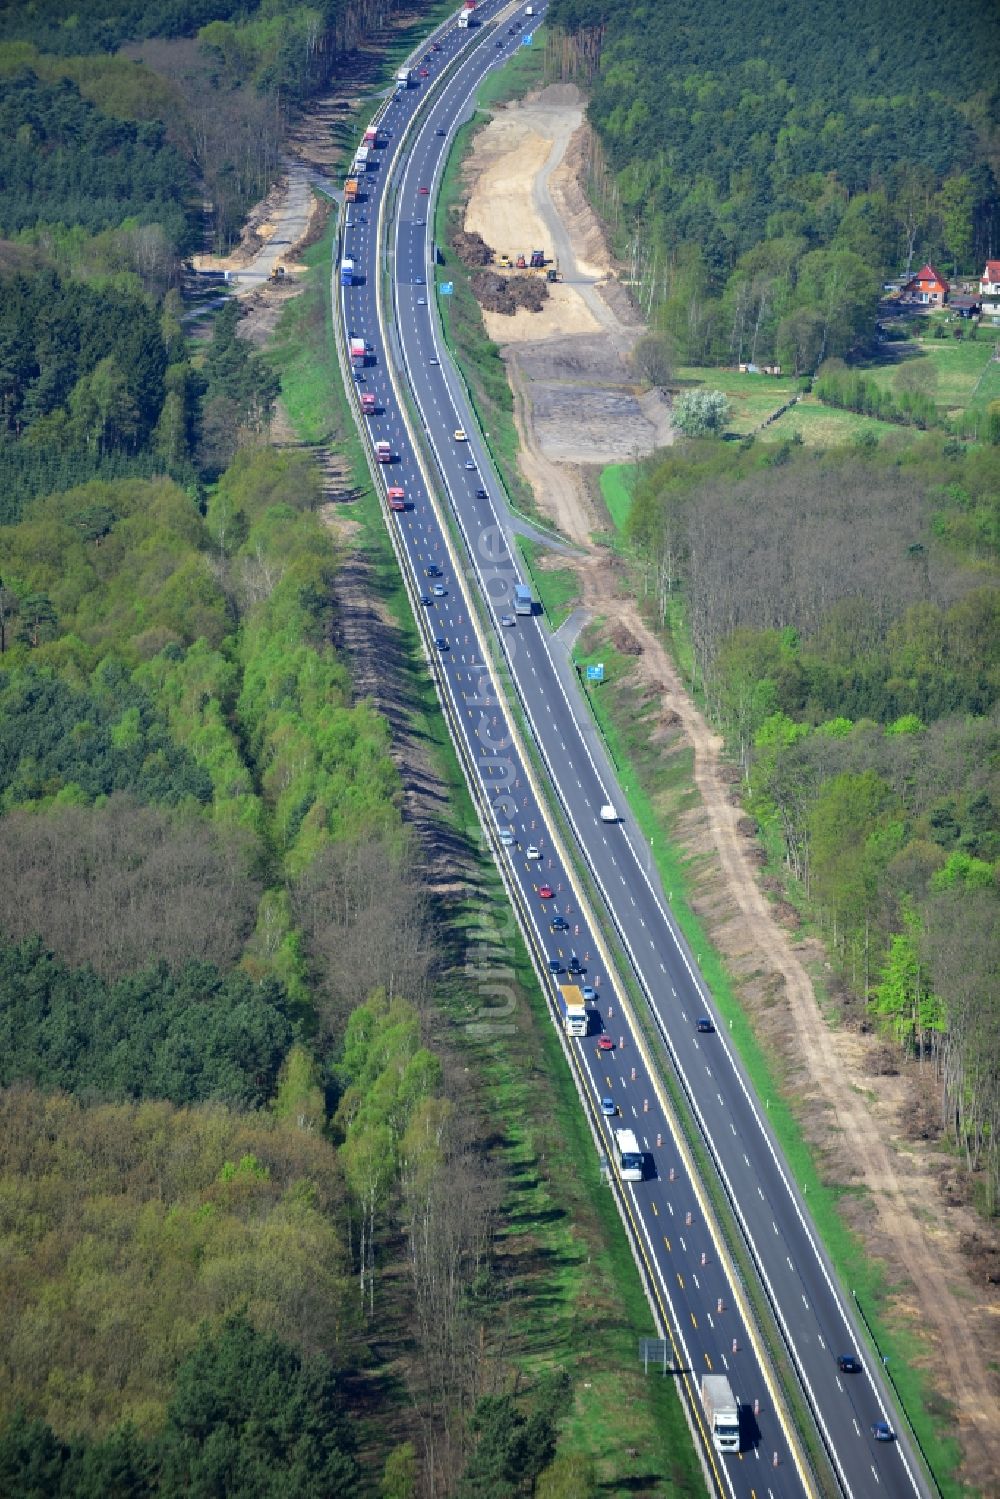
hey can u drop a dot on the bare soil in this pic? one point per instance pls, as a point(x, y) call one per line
point(873, 1126)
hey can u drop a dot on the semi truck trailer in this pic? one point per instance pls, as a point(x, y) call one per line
point(721, 1411)
point(573, 1010)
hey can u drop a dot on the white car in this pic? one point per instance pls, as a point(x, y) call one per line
point(608, 813)
point(532, 851)
point(460, 435)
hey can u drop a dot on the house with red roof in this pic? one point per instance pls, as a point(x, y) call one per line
point(927, 287)
point(989, 291)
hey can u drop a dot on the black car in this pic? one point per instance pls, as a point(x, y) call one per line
point(440, 132)
point(481, 494)
point(433, 571)
point(440, 642)
point(574, 965)
point(558, 924)
point(848, 1363)
point(705, 1026)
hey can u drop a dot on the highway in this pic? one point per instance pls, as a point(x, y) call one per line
point(687, 1269)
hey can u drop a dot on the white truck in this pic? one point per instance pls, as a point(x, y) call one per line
point(573, 1010)
point(721, 1411)
point(608, 813)
point(404, 78)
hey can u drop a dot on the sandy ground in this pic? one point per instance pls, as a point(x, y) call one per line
point(577, 406)
point(577, 401)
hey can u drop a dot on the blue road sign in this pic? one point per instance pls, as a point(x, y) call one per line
point(526, 40)
point(446, 288)
point(595, 673)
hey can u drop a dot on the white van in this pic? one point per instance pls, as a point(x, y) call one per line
point(608, 813)
point(506, 836)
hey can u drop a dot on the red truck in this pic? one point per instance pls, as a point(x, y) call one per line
point(371, 137)
point(367, 403)
point(396, 498)
point(358, 353)
point(383, 452)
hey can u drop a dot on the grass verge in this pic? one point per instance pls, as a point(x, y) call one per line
point(571, 1295)
point(557, 588)
point(659, 792)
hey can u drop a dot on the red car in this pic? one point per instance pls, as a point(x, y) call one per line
point(605, 1043)
point(545, 892)
point(423, 191)
point(425, 72)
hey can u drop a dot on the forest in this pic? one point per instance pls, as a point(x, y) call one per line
point(229, 1157)
point(840, 612)
point(766, 169)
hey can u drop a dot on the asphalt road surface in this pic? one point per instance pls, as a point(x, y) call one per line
point(686, 1269)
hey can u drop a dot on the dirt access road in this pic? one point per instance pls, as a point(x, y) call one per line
point(577, 406)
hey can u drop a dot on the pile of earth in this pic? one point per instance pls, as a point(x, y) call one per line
point(509, 294)
point(471, 248)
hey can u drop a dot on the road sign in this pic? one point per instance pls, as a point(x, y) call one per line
point(596, 673)
point(526, 40)
point(446, 288)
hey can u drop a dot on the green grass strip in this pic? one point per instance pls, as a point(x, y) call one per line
point(557, 588)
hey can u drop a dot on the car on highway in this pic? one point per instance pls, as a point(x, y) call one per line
point(433, 571)
point(481, 494)
point(555, 966)
point(574, 965)
point(439, 590)
point(883, 1432)
point(558, 924)
point(425, 72)
point(605, 1043)
point(419, 281)
point(436, 47)
point(848, 1363)
point(705, 1026)
point(508, 621)
point(470, 465)
point(421, 301)
point(440, 132)
point(433, 361)
point(545, 892)
point(589, 993)
point(460, 435)
point(499, 46)
point(531, 852)
point(425, 598)
point(440, 642)
point(609, 1108)
point(423, 192)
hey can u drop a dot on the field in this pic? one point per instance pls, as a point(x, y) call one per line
point(754, 397)
point(966, 372)
point(829, 426)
